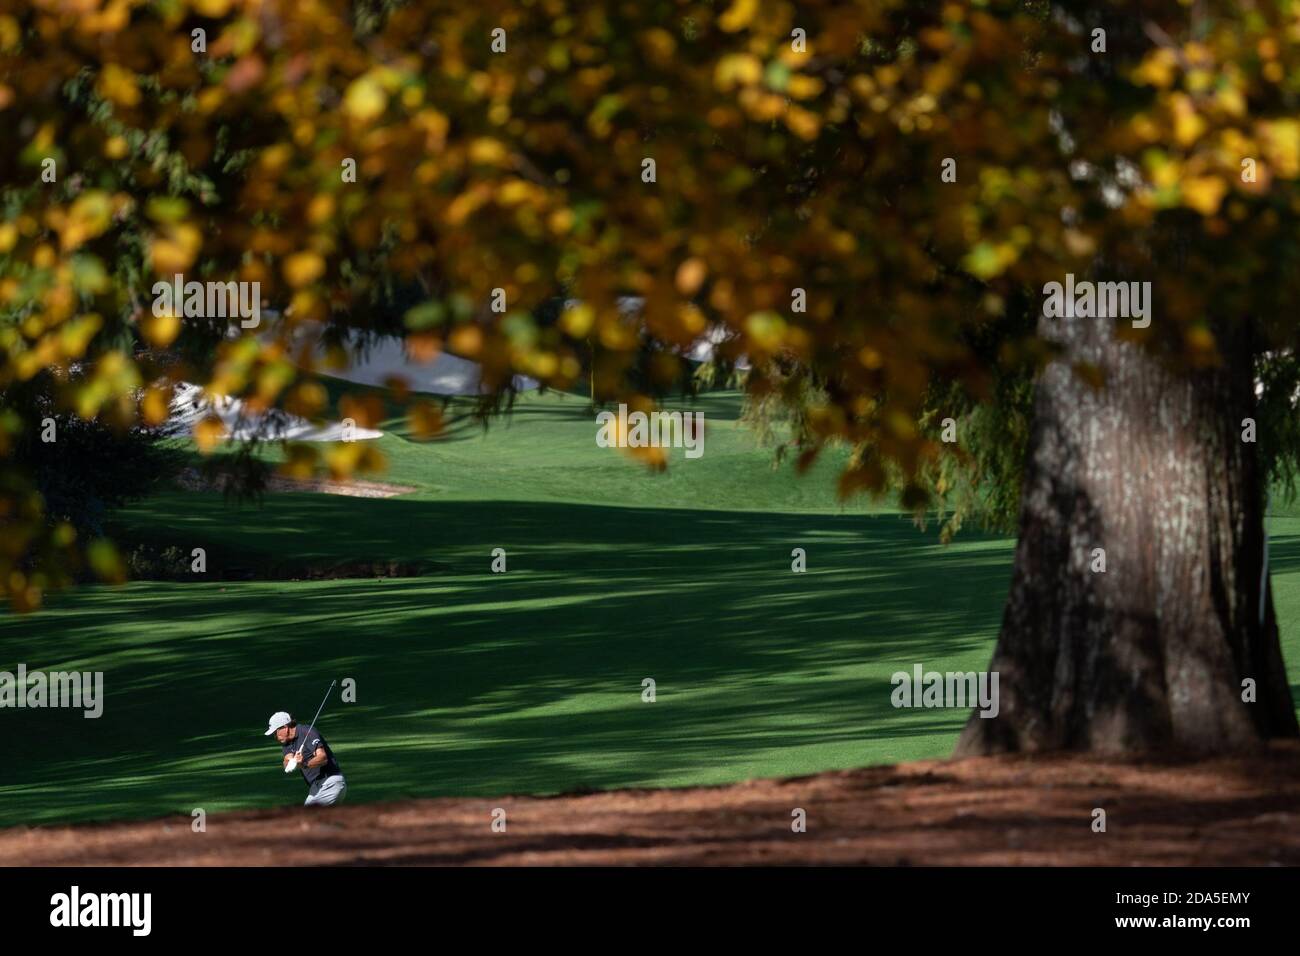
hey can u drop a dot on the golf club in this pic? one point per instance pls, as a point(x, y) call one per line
point(293, 762)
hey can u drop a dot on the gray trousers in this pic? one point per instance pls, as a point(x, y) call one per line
point(328, 792)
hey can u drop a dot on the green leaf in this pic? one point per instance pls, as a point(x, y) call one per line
point(777, 76)
point(983, 261)
point(167, 209)
point(426, 315)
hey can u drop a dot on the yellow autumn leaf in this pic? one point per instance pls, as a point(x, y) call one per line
point(303, 268)
point(578, 320)
point(659, 44)
point(690, 275)
point(105, 561)
point(1188, 125)
point(900, 424)
point(1157, 69)
point(1203, 193)
point(306, 399)
point(159, 331)
point(175, 250)
point(425, 419)
point(1199, 339)
point(466, 341)
point(766, 330)
point(1231, 101)
point(320, 209)
point(208, 433)
point(487, 151)
point(1078, 243)
point(738, 15)
point(365, 99)
point(464, 205)
point(434, 125)
point(117, 85)
point(277, 364)
point(515, 191)
point(870, 358)
point(803, 87)
point(210, 99)
point(691, 318)
point(542, 365)
point(561, 221)
point(344, 458)
point(75, 336)
point(89, 216)
point(1163, 170)
point(1282, 145)
point(737, 69)
point(300, 461)
point(155, 406)
point(803, 123)
point(652, 456)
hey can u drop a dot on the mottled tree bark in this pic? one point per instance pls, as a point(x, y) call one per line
point(1151, 653)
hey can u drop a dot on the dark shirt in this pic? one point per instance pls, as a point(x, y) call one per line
point(310, 740)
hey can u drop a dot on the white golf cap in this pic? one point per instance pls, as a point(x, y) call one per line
point(278, 719)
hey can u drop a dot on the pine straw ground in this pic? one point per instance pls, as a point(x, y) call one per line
point(979, 811)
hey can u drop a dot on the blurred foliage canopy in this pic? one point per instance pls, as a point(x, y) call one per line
point(503, 145)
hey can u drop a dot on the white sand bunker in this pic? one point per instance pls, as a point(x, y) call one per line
point(382, 359)
point(385, 357)
point(191, 405)
point(703, 349)
point(706, 346)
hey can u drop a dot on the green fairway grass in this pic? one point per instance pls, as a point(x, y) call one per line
point(472, 683)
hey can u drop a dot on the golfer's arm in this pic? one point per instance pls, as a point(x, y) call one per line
point(318, 758)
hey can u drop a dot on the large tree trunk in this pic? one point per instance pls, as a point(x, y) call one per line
point(1150, 654)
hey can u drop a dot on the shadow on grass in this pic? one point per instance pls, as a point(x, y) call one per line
point(529, 681)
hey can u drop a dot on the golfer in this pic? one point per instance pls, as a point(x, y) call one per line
point(325, 783)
